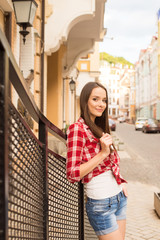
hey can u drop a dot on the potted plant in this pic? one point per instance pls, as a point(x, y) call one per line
point(157, 203)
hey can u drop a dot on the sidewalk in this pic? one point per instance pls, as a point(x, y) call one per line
point(142, 220)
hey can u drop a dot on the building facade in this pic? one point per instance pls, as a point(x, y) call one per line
point(127, 94)
point(110, 78)
point(68, 39)
point(148, 79)
point(88, 68)
point(29, 56)
point(158, 97)
point(132, 112)
point(62, 33)
point(147, 82)
point(118, 81)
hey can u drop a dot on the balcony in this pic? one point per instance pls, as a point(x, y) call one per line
point(77, 30)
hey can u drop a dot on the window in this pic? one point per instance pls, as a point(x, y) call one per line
point(113, 111)
point(85, 57)
point(113, 72)
point(83, 66)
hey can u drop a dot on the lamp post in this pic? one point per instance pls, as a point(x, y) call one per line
point(72, 85)
point(25, 11)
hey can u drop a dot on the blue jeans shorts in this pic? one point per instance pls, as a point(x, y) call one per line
point(104, 213)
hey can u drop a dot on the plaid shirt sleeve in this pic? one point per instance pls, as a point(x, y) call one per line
point(75, 144)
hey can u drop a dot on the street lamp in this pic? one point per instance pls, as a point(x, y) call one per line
point(72, 85)
point(25, 11)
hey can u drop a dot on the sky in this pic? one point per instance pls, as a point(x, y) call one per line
point(131, 24)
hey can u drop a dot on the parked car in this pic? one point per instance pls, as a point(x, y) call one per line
point(139, 123)
point(112, 125)
point(151, 125)
point(121, 119)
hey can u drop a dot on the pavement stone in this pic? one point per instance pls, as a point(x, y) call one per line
point(142, 221)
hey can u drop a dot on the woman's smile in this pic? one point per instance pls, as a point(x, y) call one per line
point(100, 110)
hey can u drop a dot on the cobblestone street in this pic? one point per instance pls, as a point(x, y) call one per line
point(143, 155)
point(142, 221)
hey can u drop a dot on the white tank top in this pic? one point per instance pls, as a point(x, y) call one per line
point(103, 186)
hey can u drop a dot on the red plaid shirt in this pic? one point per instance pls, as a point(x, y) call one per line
point(82, 146)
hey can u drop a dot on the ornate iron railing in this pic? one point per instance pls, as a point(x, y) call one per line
point(36, 200)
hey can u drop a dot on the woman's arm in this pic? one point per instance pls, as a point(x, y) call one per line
point(75, 169)
point(75, 144)
point(87, 167)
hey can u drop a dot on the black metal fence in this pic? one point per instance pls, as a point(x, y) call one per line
point(36, 200)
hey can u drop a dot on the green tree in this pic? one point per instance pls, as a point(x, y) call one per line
point(111, 59)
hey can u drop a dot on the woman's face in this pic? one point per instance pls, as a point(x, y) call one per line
point(97, 102)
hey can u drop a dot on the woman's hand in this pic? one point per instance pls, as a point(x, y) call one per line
point(87, 167)
point(106, 141)
point(124, 188)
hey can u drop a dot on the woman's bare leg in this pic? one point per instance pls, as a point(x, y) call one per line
point(116, 235)
point(122, 227)
point(119, 234)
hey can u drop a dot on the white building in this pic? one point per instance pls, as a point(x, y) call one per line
point(147, 82)
point(110, 77)
point(118, 80)
point(88, 71)
point(127, 93)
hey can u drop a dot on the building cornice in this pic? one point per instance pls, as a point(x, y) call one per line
point(77, 27)
point(6, 5)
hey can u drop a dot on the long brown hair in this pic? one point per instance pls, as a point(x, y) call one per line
point(101, 123)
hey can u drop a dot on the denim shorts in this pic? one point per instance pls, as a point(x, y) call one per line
point(104, 213)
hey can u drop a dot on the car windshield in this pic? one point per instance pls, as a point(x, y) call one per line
point(111, 121)
point(142, 120)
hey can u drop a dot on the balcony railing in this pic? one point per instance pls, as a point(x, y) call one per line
point(36, 200)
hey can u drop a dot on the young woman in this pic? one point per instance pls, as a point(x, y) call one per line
point(92, 158)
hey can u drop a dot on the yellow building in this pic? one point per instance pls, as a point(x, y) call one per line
point(68, 39)
point(33, 167)
point(63, 32)
point(29, 56)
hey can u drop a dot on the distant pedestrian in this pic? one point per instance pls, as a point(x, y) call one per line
point(93, 159)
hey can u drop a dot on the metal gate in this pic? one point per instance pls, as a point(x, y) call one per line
point(36, 200)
